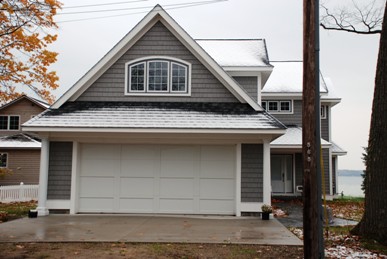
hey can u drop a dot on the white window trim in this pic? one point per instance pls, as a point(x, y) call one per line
point(278, 111)
point(158, 93)
point(9, 123)
point(6, 160)
point(323, 112)
point(171, 77)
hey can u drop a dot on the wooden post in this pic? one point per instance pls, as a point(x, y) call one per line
point(312, 216)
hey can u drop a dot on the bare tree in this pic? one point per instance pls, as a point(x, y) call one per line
point(369, 20)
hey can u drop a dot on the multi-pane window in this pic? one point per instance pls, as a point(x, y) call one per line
point(137, 76)
point(158, 76)
point(9, 122)
point(3, 160)
point(278, 106)
point(179, 78)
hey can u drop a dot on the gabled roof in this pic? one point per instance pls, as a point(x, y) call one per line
point(230, 53)
point(337, 150)
point(155, 15)
point(33, 100)
point(154, 117)
point(20, 141)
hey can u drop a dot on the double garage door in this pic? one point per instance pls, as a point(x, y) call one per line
point(183, 179)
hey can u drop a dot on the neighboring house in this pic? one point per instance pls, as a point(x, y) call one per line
point(282, 97)
point(19, 152)
point(161, 124)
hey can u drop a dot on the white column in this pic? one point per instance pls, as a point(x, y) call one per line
point(43, 178)
point(266, 172)
point(74, 178)
point(238, 179)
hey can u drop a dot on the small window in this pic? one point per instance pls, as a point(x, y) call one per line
point(273, 106)
point(179, 78)
point(323, 114)
point(137, 77)
point(4, 122)
point(285, 106)
point(158, 76)
point(3, 160)
point(9, 122)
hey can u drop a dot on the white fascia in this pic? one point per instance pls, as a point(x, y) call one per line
point(273, 132)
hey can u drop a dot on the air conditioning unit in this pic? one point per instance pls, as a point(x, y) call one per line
point(299, 188)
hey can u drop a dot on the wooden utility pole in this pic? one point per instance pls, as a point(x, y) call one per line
point(312, 217)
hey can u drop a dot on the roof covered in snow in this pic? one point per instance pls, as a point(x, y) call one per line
point(33, 100)
point(19, 141)
point(292, 139)
point(122, 115)
point(287, 78)
point(237, 52)
point(337, 150)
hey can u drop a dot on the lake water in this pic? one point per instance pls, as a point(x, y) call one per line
point(350, 185)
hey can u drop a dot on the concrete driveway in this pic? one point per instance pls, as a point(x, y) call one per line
point(145, 228)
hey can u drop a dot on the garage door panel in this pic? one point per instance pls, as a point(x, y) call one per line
point(217, 206)
point(138, 168)
point(217, 169)
point(103, 167)
point(140, 152)
point(96, 205)
point(136, 187)
point(178, 168)
point(224, 189)
point(218, 152)
point(102, 187)
point(136, 205)
point(100, 151)
point(176, 188)
point(177, 206)
point(180, 153)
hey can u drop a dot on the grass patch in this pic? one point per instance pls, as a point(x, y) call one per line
point(15, 210)
point(348, 199)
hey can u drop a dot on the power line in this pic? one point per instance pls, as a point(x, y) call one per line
point(173, 7)
point(94, 5)
point(136, 8)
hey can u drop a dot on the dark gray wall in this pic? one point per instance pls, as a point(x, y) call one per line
point(326, 159)
point(249, 84)
point(325, 125)
point(158, 41)
point(59, 171)
point(334, 159)
point(298, 166)
point(252, 173)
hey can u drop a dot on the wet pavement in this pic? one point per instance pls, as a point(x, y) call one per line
point(295, 215)
point(145, 228)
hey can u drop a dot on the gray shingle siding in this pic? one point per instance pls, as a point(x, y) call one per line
point(158, 41)
point(59, 171)
point(249, 83)
point(291, 119)
point(298, 166)
point(252, 173)
point(326, 159)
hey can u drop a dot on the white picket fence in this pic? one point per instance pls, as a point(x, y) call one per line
point(22, 192)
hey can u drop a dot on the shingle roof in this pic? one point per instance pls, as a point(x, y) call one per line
point(337, 150)
point(236, 52)
point(156, 116)
point(19, 140)
point(292, 138)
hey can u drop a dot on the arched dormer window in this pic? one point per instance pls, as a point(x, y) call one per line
point(158, 76)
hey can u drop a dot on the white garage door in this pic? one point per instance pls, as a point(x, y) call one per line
point(188, 179)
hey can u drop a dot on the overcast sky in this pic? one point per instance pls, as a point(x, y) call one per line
point(348, 59)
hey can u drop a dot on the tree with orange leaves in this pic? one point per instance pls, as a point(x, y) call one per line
point(24, 57)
